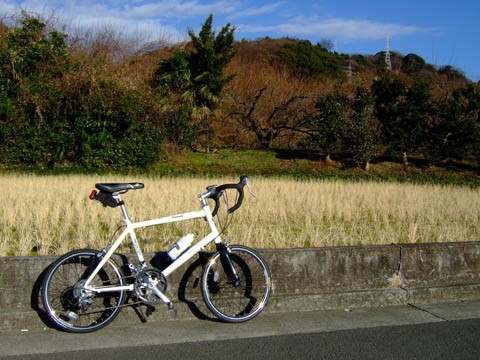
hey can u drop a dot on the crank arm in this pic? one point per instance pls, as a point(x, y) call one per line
point(161, 295)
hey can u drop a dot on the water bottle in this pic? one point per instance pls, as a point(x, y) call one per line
point(180, 246)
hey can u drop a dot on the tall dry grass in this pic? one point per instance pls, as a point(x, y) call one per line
point(52, 214)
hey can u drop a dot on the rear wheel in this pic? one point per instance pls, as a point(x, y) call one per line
point(68, 305)
point(242, 301)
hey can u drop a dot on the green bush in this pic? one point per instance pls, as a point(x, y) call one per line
point(53, 111)
point(311, 61)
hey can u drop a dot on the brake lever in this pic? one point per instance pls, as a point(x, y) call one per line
point(225, 197)
point(250, 190)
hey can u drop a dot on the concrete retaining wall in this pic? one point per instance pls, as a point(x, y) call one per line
point(303, 279)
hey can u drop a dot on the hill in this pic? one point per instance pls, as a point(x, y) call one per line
point(92, 102)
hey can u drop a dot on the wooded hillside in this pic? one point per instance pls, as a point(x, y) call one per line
point(92, 101)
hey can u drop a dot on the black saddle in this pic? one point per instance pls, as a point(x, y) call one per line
point(118, 187)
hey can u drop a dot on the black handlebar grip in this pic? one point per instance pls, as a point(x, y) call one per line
point(239, 201)
point(217, 205)
point(238, 187)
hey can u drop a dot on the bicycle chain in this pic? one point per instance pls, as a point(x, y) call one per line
point(111, 307)
point(119, 306)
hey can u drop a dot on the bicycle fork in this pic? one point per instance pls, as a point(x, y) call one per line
point(227, 265)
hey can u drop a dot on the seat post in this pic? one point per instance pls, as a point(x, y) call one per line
point(119, 200)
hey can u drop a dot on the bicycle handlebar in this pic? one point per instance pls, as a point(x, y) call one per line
point(217, 191)
point(214, 192)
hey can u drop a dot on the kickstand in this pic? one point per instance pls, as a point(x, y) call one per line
point(148, 311)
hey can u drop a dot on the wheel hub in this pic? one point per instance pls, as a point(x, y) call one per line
point(82, 296)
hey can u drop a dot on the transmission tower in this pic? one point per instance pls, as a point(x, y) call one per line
point(388, 61)
point(349, 71)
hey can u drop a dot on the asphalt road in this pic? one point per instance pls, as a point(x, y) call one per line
point(439, 340)
point(443, 331)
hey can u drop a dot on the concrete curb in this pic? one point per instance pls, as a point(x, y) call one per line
point(303, 279)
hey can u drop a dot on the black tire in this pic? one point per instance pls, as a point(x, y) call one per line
point(232, 303)
point(62, 284)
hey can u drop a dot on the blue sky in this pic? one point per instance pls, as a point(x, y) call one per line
point(442, 32)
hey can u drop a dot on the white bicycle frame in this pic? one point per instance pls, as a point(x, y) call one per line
point(204, 213)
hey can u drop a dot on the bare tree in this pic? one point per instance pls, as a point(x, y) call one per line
point(268, 102)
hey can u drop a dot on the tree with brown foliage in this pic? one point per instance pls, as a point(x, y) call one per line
point(267, 101)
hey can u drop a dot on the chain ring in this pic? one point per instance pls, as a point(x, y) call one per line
point(142, 280)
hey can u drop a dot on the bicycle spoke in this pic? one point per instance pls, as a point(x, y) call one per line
point(66, 308)
point(237, 303)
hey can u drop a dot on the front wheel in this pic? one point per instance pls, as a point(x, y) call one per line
point(66, 302)
point(237, 301)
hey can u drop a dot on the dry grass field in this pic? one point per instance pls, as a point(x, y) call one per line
point(52, 214)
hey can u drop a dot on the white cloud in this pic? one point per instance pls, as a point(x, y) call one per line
point(180, 9)
point(133, 16)
point(255, 11)
point(171, 18)
point(89, 15)
point(342, 29)
point(8, 8)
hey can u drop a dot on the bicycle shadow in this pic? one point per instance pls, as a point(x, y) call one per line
point(36, 303)
point(35, 299)
point(189, 288)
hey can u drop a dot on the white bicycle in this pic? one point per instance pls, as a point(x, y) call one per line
point(84, 290)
